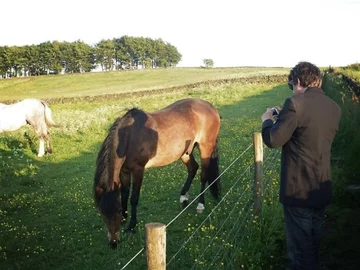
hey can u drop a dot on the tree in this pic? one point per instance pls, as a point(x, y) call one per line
point(76, 57)
point(105, 54)
point(172, 55)
point(208, 63)
point(32, 65)
point(5, 59)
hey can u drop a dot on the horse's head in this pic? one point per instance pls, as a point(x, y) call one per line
point(112, 221)
point(111, 211)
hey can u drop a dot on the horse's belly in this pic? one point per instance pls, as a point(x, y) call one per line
point(158, 161)
point(165, 157)
point(170, 149)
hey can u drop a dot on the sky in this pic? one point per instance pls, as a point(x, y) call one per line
point(230, 32)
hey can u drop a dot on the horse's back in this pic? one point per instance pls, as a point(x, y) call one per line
point(186, 103)
point(189, 108)
point(14, 116)
point(189, 115)
point(25, 104)
point(31, 102)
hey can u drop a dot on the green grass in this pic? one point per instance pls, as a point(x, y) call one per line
point(91, 84)
point(48, 219)
point(354, 74)
point(340, 245)
point(347, 141)
point(47, 214)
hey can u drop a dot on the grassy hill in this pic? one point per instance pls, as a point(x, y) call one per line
point(92, 84)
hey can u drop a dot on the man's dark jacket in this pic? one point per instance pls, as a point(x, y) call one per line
point(305, 128)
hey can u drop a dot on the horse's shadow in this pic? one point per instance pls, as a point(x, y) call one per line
point(27, 140)
point(15, 163)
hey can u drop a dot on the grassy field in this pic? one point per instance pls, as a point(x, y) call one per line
point(92, 84)
point(47, 214)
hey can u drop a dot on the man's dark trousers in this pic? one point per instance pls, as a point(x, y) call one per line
point(303, 232)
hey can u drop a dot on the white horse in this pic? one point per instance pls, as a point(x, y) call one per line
point(34, 112)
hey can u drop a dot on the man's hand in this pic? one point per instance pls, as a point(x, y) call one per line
point(267, 115)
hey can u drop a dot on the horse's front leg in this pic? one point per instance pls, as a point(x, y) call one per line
point(125, 178)
point(137, 176)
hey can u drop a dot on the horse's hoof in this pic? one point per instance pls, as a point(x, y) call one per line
point(185, 203)
point(113, 244)
point(122, 221)
point(129, 232)
point(130, 229)
point(200, 208)
point(184, 198)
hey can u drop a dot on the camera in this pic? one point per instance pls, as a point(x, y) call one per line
point(274, 111)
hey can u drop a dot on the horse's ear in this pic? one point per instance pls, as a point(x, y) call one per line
point(99, 191)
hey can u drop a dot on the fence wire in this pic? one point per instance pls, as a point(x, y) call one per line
point(214, 242)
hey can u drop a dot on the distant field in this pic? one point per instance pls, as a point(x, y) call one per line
point(92, 84)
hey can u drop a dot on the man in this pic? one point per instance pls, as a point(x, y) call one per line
point(305, 129)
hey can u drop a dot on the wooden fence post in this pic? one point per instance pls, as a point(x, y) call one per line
point(258, 174)
point(156, 246)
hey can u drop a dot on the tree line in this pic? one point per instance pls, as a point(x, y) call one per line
point(76, 57)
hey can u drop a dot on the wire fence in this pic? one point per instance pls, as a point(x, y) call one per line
point(213, 242)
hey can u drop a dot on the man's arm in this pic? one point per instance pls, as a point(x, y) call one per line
point(278, 133)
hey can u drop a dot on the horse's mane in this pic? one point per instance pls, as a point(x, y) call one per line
point(102, 172)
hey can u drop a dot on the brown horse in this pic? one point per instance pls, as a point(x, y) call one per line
point(140, 140)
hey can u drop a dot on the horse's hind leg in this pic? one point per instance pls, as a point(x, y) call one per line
point(192, 168)
point(41, 147)
point(48, 144)
point(137, 176)
point(41, 130)
point(201, 205)
point(45, 134)
point(206, 153)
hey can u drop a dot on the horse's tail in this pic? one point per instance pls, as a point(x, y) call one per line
point(213, 172)
point(48, 116)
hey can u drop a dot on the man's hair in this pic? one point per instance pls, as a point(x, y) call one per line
point(308, 74)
